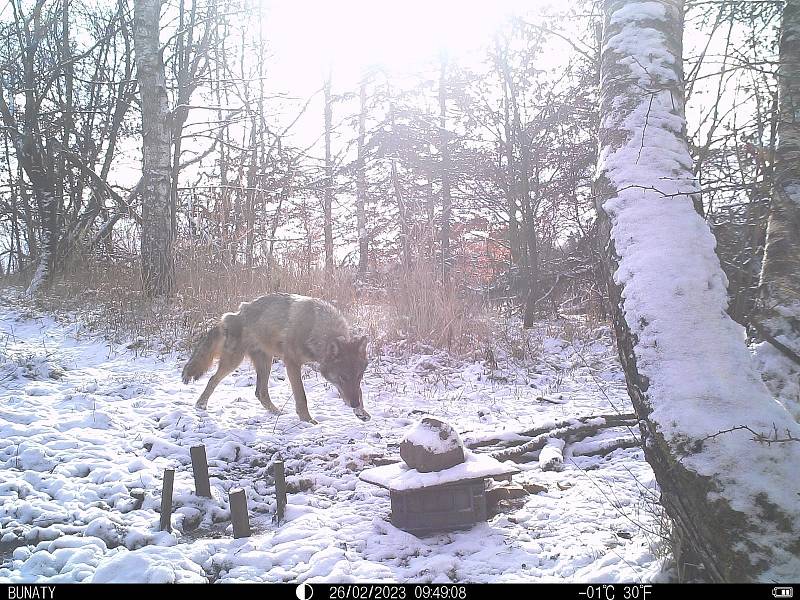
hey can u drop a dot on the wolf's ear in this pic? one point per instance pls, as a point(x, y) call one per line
point(335, 346)
point(361, 345)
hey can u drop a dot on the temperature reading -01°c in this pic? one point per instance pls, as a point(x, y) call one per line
point(599, 592)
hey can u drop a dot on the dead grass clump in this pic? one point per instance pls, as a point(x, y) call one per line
point(410, 308)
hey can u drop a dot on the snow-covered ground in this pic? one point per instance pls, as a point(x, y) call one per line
point(84, 422)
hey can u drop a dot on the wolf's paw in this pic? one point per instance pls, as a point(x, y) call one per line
point(201, 405)
point(309, 419)
point(271, 407)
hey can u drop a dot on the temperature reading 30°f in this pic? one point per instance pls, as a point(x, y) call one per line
point(636, 592)
point(609, 592)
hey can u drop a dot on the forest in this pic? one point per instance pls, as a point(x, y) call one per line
point(569, 232)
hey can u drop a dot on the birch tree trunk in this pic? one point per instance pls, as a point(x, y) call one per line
point(719, 445)
point(158, 228)
point(778, 318)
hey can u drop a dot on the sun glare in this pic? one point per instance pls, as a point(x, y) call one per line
point(354, 34)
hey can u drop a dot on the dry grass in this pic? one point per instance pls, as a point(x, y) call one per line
point(408, 309)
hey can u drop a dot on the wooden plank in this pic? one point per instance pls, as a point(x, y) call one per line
point(202, 485)
point(166, 499)
point(239, 516)
point(280, 489)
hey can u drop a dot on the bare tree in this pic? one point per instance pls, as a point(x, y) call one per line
point(34, 149)
point(361, 182)
point(158, 225)
point(444, 151)
point(328, 189)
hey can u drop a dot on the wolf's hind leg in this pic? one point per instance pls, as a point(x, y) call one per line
point(227, 363)
point(300, 402)
point(263, 365)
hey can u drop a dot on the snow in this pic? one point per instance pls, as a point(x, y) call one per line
point(399, 477)
point(781, 375)
point(638, 11)
point(104, 423)
point(552, 455)
point(702, 377)
point(423, 434)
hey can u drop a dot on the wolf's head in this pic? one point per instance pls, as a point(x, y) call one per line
point(344, 366)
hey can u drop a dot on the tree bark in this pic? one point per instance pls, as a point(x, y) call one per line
point(778, 314)
point(158, 228)
point(732, 500)
point(405, 242)
point(510, 186)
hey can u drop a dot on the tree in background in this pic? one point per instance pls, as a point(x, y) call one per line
point(158, 222)
point(778, 319)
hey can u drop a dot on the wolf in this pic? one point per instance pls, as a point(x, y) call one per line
point(297, 328)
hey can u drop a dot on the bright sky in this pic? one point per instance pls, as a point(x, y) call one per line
point(398, 34)
point(402, 36)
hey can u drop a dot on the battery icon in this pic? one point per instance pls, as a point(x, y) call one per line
point(782, 592)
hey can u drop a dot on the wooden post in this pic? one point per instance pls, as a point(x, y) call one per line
point(166, 499)
point(239, 517)
point(200, 470)
point(280, 489)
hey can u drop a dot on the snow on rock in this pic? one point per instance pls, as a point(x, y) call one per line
point(81, 503)
point(431, 445)
point(433, 435)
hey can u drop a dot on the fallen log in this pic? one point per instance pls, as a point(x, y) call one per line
point(628, 419)
point(570, 431)
point(607, 446)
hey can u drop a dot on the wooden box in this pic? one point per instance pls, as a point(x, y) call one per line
point(454, 498)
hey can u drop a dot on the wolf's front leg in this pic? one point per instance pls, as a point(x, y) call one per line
point(227, 363)
point(263, 364)
point(300, 401)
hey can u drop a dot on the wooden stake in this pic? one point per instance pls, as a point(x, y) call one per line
point(166, 499)
point(239, 517)
point(280, 489)
point(200, 470)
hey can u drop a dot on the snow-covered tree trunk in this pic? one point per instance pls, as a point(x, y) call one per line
point(158, 228)
point(45, 198)
point(778, 317)
point(699, 399)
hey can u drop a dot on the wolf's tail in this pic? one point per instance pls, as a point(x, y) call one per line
point(209, 347)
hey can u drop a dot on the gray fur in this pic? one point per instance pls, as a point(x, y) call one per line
point(299, 329)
